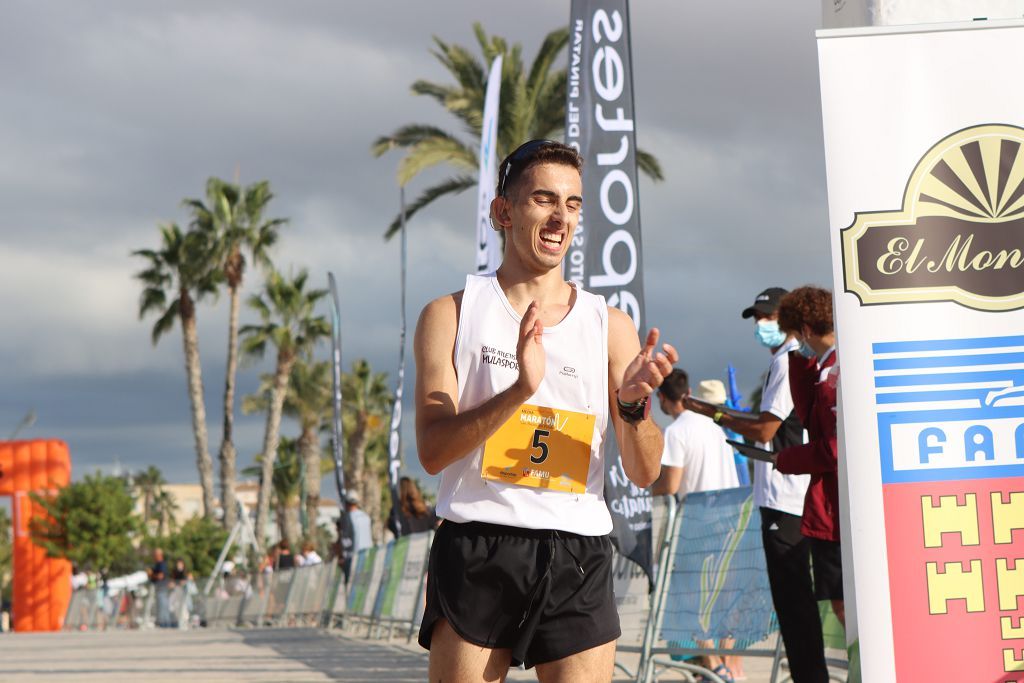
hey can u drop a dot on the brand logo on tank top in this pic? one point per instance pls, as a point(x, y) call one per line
point(502, 359)
point(568, 372)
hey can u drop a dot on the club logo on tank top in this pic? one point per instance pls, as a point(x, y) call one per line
point(498, 358)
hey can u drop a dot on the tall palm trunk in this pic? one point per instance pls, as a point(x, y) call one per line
point(271, 438)
point(309, 451)
point(190, 339)
point(357, 454)
point(371, 503)
point(288, 523)
point(228, 455)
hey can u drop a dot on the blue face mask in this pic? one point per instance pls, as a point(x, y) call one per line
point(767, 333)
point(806, 351)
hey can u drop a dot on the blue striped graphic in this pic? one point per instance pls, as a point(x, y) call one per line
point(930, 394)
point(911, 386)
point(948, 361)
point(1014, 376)
point(947, 344)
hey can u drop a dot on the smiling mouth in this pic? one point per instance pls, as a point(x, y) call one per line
point(552, 240)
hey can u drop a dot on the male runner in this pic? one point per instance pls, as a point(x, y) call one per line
point(518, 377)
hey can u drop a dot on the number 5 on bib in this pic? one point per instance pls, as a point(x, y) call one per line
point(541, 447)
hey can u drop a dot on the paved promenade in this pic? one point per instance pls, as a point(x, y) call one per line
point(294, 654)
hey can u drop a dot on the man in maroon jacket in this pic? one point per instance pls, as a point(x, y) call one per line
point(806, 313)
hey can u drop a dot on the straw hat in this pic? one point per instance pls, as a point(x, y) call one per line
point(711, 390)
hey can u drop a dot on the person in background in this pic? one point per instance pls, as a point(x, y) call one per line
point(696, 458)
point(806, 314)
point(158, 577)
point(713, 391)
point(179, 575)
point(780, 497)
point(309, 556)
point(413, 514)
point(285, 559)
point(362, 533)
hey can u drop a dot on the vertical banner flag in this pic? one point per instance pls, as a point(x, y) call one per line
point(605, 256)
point(488, 243)
point(924, 147)
point(395, 442)
point(345, 535)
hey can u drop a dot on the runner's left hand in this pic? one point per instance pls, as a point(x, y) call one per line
point(648, 370)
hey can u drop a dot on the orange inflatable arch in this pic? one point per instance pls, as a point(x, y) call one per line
point(42, 585)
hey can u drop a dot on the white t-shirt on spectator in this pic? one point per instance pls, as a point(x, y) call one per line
point(362, 534)
point(695, 443)
point(772, 489)
point(309, 559)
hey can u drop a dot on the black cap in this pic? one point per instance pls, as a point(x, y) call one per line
point(766, 303)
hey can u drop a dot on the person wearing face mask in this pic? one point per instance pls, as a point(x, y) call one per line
point(780, 497)
point(806, 313)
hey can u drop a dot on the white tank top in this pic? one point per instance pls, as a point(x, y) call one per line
point(576, 379)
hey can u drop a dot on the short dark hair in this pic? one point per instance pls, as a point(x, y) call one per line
point(676, 386)
point(808, 305)
point(530, 154)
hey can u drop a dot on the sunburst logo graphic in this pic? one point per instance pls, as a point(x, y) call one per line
point(960, 234)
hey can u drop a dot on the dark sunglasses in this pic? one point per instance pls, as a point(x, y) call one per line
point(522, 153)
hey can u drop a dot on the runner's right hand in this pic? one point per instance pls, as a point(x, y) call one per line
point(530, 350)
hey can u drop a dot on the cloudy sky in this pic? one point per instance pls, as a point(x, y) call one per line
point(113, 112)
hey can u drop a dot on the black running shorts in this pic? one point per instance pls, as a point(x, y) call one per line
point(544, 595)
point(827, 562)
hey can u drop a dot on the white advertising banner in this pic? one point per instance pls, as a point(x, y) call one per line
point(488, 243)
point(850, 13)
point(924, 146)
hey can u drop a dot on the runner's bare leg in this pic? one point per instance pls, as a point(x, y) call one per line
point(453, 660)
point(596, 664)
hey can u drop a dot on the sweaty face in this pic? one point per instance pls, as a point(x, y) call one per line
point(543, 208)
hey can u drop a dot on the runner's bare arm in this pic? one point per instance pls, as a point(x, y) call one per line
point(636, 373)
point(443, 434)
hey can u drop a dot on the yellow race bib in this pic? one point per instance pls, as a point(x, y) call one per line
point(541, 447)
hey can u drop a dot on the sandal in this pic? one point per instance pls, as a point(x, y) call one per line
point(722, 671)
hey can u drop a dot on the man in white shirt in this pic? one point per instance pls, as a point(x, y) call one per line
point(362, 534)
point(780, 498)
point(696, 456)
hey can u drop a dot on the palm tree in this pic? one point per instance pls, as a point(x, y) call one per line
point(150, 483)
point(165, 508)
point(289, 325)
point(233, 219)
point(366, 400)
point(178, 275)
point(285, 482)
point(308, 400)
point(532, 106)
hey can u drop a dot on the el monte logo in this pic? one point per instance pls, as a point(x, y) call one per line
point(960, 234)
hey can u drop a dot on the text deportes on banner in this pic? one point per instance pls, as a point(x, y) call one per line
point(605, 255)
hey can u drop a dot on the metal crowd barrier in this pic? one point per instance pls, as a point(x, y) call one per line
point(712, 584)
point(101, 609)
point(385, 592)
point(634, 591)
